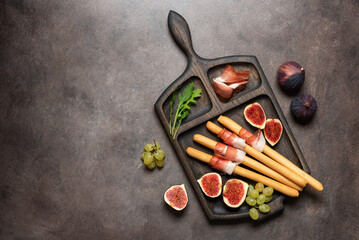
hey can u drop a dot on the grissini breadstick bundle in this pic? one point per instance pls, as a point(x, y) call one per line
point(230, 167)
point(232, 139)
point(236, 155)
point(244, 134)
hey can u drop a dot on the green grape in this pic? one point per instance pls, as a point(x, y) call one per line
point(259, 186)
point(268, 199)
point(254, 193)
point(144, 154)
point(264, 208)
point(253, 213)
point(159, 163)
point(268, 191)
point(261, 199)
point(250, 188)
point(152, 165)
point(157, 145)
point(159, 154)
point(149, 147)
point(148, 159)
point(250, 201)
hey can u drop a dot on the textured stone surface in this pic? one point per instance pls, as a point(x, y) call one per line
point(78, 81)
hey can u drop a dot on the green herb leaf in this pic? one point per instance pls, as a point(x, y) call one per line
point(184, 100)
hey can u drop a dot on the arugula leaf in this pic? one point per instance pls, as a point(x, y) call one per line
point(174, 97)
point(184, 100)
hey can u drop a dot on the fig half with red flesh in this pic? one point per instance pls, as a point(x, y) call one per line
point(255, 116)
point(273, 131)
point(211, 184)
point(234, 192)
point(176, 197)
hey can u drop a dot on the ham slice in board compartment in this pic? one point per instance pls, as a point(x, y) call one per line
point(229, 82)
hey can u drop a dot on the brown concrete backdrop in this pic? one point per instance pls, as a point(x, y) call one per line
point(78, 80)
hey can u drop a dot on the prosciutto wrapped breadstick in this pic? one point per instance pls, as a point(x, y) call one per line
point(295, 178)
point(229, 168)
point(243, 133)
point(239, 156)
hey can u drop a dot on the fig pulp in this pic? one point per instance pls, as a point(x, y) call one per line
point(211, 184)
point(234, 192)
point(303, 107)
point(254, 114)
point(273, 131)
point(176, 197)
point(290, 76)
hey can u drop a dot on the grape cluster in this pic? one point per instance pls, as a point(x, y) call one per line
point(257, 197)
point(153, 155)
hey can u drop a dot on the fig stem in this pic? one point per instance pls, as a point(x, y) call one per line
point(307, 105)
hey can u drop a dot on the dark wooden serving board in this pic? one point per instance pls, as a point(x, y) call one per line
point(209, 107)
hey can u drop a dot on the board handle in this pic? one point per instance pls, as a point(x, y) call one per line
point(181, 34)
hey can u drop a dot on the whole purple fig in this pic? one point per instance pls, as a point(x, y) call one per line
point(290, 76)
point(303, 107)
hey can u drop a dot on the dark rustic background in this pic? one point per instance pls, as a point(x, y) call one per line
point(78, 80)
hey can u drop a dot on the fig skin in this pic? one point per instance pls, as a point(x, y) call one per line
point(303, 108)
point(290, 76)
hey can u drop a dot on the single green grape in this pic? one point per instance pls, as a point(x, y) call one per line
point(268, 199)
point(159, 154)
point(250, 201)
point(261, 199)
point(268, 191)
point(250, 188)
point(259, 186)
point(264, 208)
point(159, 163)
point(253, 213)
point(149, 147)
point(144, 154)
point(148, 159)
point(254, 193)
point(152, 165)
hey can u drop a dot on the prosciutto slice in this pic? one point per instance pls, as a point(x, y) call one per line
point(230, 75)
point(222, 165)
point(229, 82)
point(257, 140)
point(229, 153)
point(231, 139)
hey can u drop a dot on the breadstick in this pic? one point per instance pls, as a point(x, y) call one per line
point(204, 157)
point(209, 143)
point(234, 127)
point(295, 178)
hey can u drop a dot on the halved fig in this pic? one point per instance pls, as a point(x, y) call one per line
point(176, 197)
point(211, 184)
point(254, 114)
point(273, 131)
point(234, 192)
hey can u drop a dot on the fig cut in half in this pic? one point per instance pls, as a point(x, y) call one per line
point(234, 192)
point(273, 131)
point(211, 184)
point(255, 116)
point(176, 197)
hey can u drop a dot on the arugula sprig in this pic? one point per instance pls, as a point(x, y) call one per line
point(184, 101)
